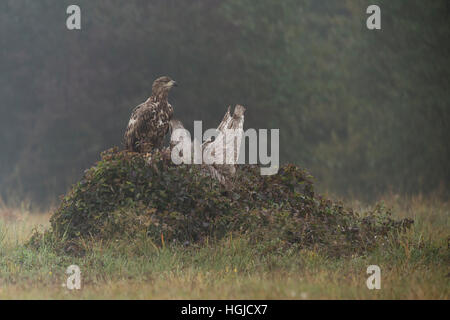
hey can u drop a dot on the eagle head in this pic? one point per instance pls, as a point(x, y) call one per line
point(162, 85)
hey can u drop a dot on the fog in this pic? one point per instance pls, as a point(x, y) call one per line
point(365, 111)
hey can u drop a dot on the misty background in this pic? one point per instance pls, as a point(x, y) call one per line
point(366, 112)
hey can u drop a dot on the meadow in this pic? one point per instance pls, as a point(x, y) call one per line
point(415, 267)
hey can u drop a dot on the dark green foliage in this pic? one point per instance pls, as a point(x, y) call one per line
point(125, 195)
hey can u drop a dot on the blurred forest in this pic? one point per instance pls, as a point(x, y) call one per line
point(366, 112)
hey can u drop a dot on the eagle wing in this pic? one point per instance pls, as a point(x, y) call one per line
point(226, 146)
point(149, 123)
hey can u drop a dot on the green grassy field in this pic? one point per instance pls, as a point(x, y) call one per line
point(417, 268)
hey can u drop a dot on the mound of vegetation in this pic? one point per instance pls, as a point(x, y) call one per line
point(125, 195)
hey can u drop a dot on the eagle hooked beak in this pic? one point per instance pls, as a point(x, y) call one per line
point(173, 83)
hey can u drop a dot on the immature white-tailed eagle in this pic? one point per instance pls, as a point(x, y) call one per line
point(149, 122)
point(218, 156)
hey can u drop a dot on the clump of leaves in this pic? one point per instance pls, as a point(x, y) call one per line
point(126, 194)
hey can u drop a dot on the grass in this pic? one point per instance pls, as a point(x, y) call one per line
point(417, 268)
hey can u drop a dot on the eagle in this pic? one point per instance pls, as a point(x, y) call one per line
point(218, 156)
point(149, 121)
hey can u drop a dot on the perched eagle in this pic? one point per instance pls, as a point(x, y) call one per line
point(149, 121)
point(218, 156)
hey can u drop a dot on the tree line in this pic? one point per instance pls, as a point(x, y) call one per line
point(365, 111)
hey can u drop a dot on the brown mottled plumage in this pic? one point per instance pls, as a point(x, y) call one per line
point(149, 121)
